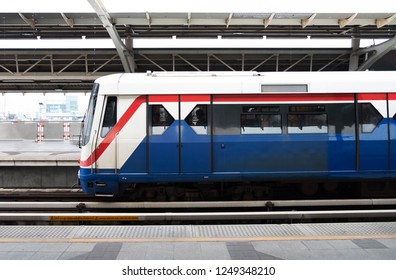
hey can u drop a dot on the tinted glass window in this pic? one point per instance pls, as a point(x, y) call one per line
point(303, 123)
point(226, 119)
point(261, 124)
point(88, 118)
point(110, 116)
point(369, 117)
point(305, 119)
point(160, 119)
point(197, 119)
point(341, 118)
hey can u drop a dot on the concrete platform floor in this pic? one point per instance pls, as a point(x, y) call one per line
point(364, 241)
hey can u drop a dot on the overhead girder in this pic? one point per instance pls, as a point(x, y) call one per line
point(101, 24)
point(126, 55)
point(375, 53)
point(66, 69)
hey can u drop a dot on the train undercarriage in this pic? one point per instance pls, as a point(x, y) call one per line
point(247, 191)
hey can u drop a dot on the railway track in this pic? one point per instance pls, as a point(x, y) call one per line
point(292, 211)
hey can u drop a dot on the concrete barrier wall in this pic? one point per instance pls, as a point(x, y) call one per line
point(19, 130)
point(38, 176)
point(39, 130)
point(53, 130)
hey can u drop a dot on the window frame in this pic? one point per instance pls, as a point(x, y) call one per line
point(154, 125)
point(109, 116)
point(373, 126)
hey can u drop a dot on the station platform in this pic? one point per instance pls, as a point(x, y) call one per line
point(43, 153)
point(338, 241)
point(43, 164)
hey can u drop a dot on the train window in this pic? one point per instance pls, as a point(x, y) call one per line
point(261, 124)
point(369, 117)
point(160, 119)
point(197, 119)
point(89, 115)
point(110, 116)
point(341, 118)
point(307, 123)
point(226, 119)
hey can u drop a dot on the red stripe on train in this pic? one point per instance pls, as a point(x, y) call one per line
point(175, 98)
point(112, 134)
point(284, 97)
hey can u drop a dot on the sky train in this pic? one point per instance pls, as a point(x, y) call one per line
point(160, 134)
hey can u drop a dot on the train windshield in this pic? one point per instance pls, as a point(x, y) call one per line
point(86, 125)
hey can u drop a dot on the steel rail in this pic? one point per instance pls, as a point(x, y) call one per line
point(70, 205)
point(297, 216)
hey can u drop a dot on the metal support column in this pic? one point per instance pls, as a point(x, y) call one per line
point(125, 54)
point(354, 57)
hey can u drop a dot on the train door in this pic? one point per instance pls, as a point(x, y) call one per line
point(164, 134)
point(195, 134)
point(392, 130)
point(373, 132)
point(179, 134)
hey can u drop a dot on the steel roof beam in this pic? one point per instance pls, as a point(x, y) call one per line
point(69, 21)
point(331, 62)
point(381, 22)
point(346, 21)
point(188, 19)
point(126, 55)
point(297, 62)
point(308, 21)
point(149, 20)
point(222, 62)
point(228, 20)
point(268, 20)
point(188, 62)
point(200, 19)
point(262, 62)
point(30, 22)
point(153, 62)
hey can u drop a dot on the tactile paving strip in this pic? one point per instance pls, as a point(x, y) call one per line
point(197, 231)
point(352, 229)
point(112, 232)
point(246, 231)
point(41, 232)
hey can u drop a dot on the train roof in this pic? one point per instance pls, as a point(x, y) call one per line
point(247, 82)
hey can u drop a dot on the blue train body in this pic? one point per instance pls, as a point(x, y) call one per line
point(316, 131)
